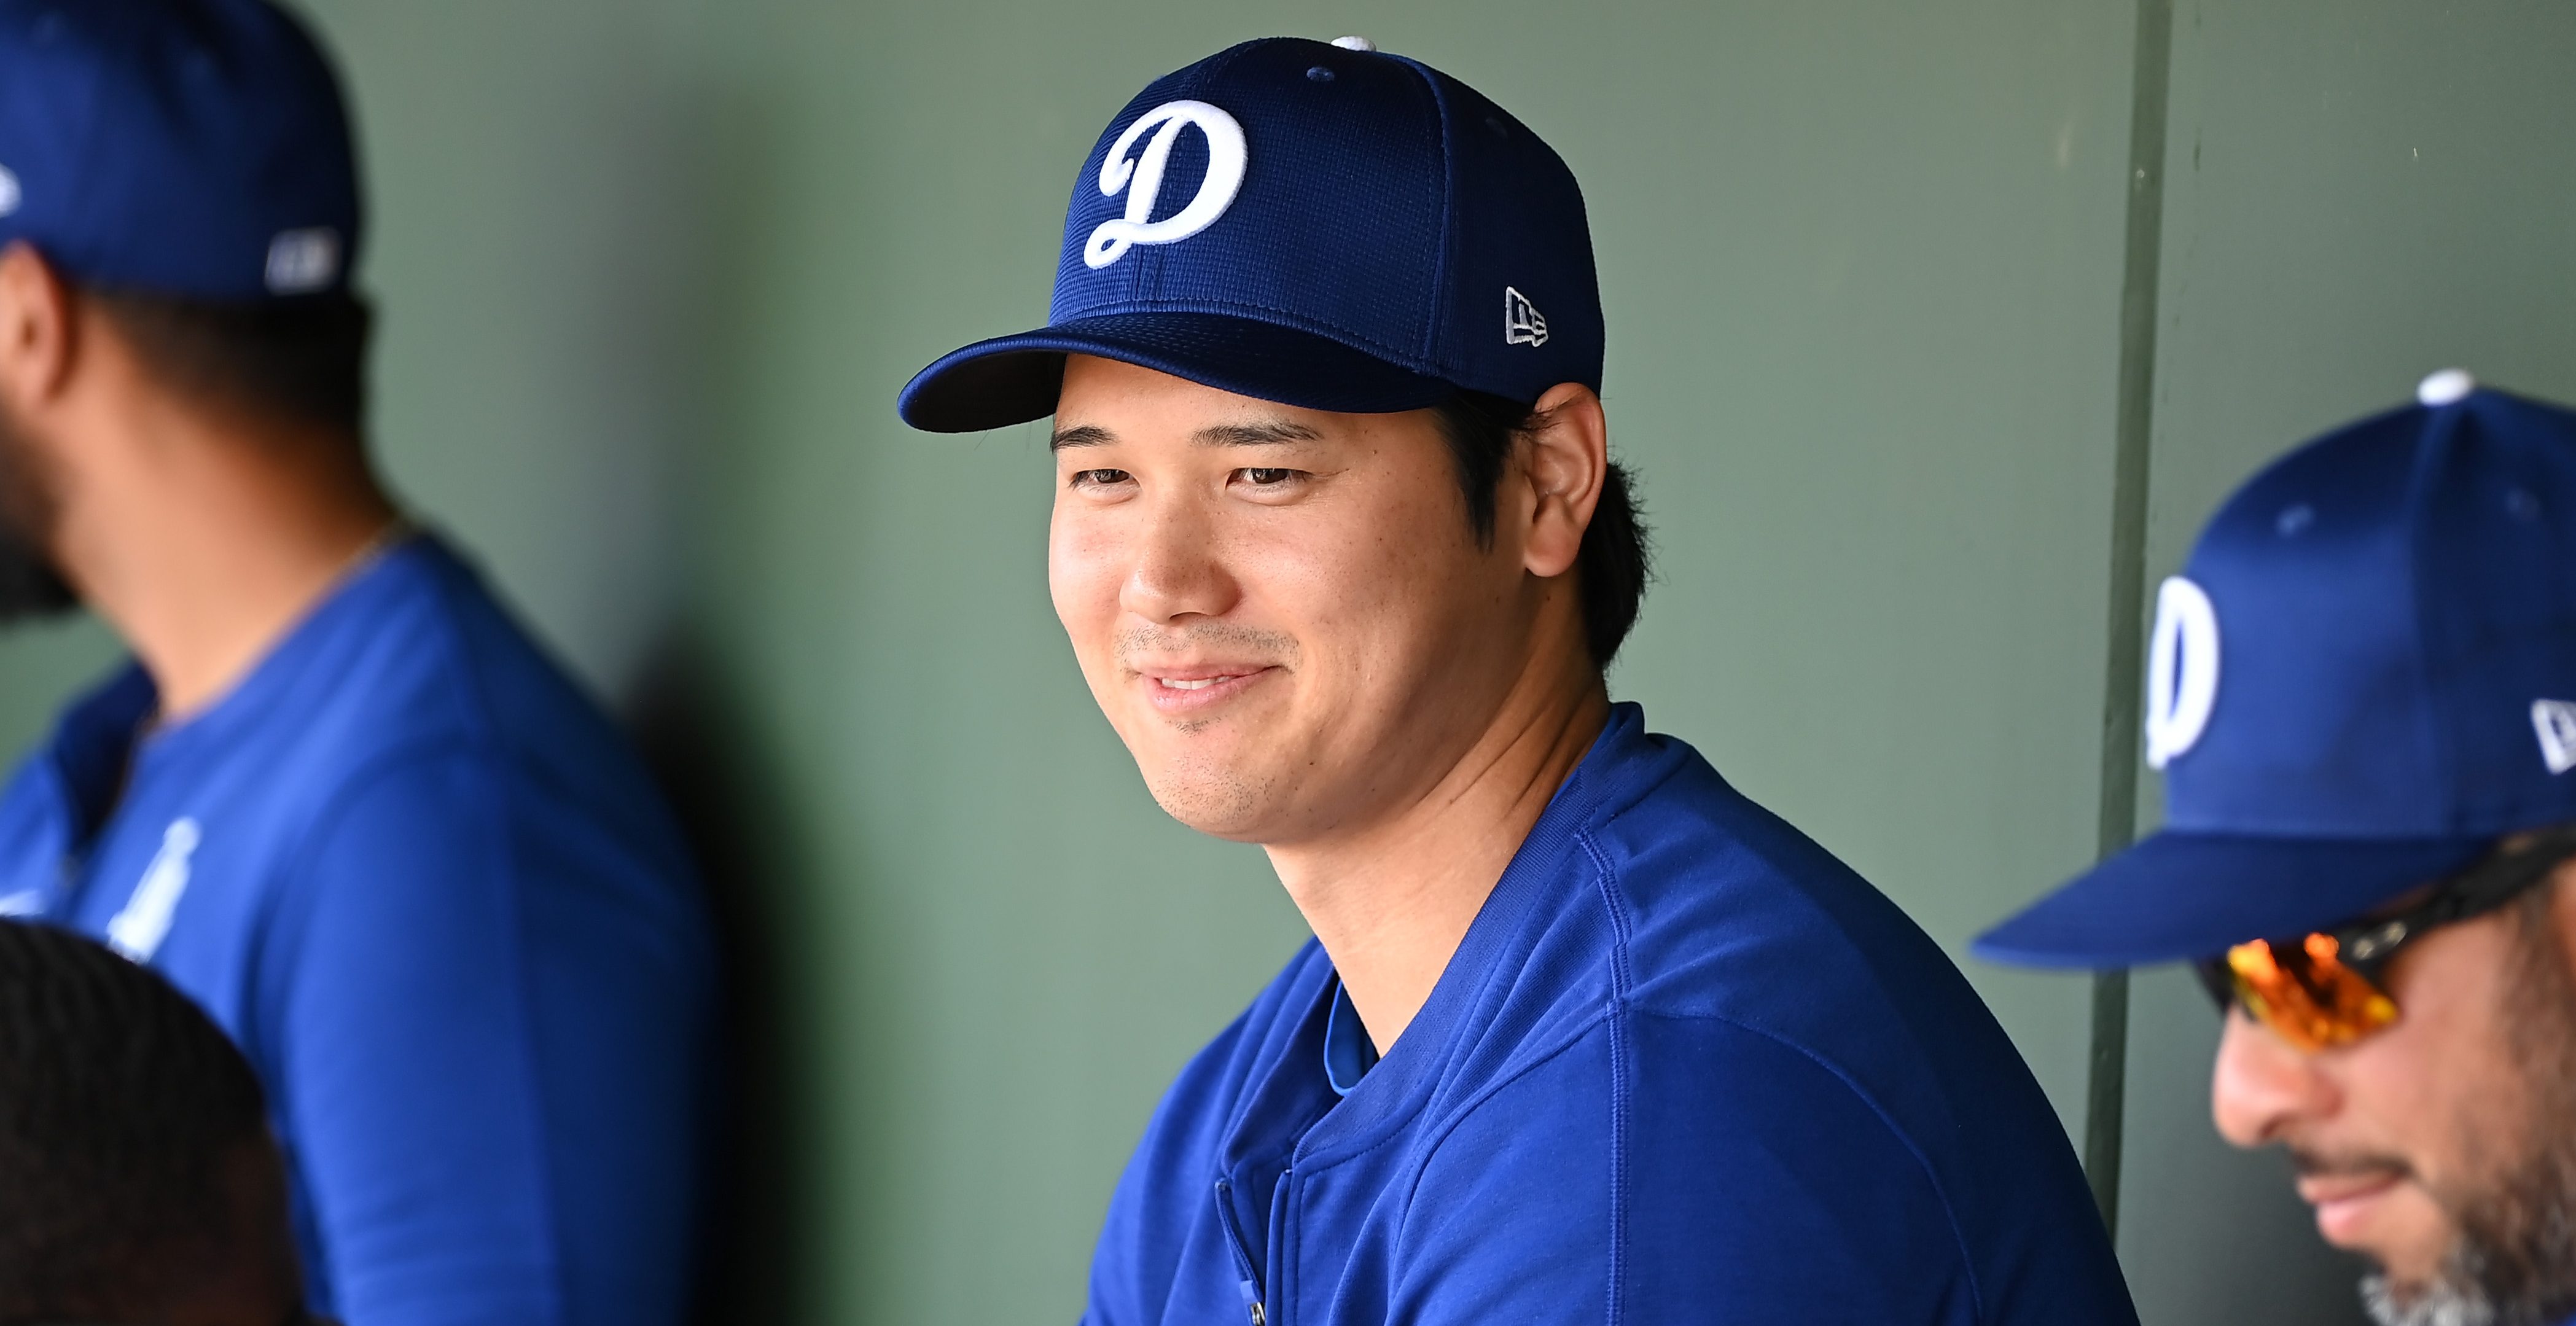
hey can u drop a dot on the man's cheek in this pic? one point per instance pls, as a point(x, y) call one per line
point(1082, 585)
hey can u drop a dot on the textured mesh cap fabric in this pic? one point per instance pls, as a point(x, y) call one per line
point(2364, 676)
point(196, 148)
point(1335, 228)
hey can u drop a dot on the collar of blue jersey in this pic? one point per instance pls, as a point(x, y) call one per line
point(1349, 1053)
point(92, 743)
point(102, 736)
point(1621, 757)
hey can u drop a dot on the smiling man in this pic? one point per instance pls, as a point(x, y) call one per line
point(2363, 698)
point(1585, 1035)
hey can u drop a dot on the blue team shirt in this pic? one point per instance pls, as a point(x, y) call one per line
point(431, 894)
point(1685, 1067)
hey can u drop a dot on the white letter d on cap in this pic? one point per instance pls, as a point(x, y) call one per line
point(1112, 238)
point(2182, 670)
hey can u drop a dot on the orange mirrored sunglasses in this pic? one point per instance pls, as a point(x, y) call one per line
point(2323, 989)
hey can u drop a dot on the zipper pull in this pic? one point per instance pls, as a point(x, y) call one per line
point(1248, 1282)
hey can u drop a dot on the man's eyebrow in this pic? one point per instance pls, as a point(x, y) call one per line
point(1267, 433)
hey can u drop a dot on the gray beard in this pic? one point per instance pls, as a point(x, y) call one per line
point(2514, 1263)
point(2443, 1303)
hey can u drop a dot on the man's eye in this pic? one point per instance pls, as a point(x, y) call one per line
point(1267, 478)
point(1099, 478)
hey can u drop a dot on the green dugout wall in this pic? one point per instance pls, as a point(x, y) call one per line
point(1935, 331)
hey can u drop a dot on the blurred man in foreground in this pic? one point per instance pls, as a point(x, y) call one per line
point(338, 797)
point(138, 1182)
point(2362, 693)
point(1587, 1035)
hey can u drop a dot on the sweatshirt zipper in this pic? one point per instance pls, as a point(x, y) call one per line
point(1247, 1279)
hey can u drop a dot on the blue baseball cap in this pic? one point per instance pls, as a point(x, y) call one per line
point(191, 148)
point(2364, 677)
point(1322, 225)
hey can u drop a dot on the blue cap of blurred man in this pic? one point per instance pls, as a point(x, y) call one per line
point(2362, 693)
point(337, 796)
point(1338, 542)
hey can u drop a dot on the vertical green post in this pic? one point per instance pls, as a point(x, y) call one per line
point(2118, 817)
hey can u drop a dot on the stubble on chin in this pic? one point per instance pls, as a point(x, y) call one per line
point(2513, 1261)
point(1211, 795)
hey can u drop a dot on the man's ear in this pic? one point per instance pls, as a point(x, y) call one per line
point(36, 329)
point(1566, 460)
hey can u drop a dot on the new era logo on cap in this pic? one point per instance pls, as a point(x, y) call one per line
point(196, 149)
point(2399, 624)
point(1522, 324)
point(303, 261)
point(2555, 721)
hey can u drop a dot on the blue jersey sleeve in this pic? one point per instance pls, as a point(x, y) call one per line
point(483, 1054)
point(1726, 1178)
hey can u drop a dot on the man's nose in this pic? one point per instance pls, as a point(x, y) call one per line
point(1176, 570)
point(2262, 1086)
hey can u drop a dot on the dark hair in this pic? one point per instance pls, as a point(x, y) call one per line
point(1612, 569)
point(123, 1110)
point(302, 359)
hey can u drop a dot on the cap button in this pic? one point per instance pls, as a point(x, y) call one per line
point(1355, 43)
point(2446, 387)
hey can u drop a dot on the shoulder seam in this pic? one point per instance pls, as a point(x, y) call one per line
point(1605, 882)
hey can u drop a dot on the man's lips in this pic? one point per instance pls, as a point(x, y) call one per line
point(1186, 687)
point(2345, 1200)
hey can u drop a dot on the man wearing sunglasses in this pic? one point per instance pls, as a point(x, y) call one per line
point(2362, 693)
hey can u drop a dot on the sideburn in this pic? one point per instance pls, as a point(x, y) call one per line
point(30, 584)
point(2518, 1237)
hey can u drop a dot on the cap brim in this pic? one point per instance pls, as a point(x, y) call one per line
point(1013, 379)
point(2178, 896)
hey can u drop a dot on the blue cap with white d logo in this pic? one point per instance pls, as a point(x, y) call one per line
point(2363, 678)
point(191, 148)
point(1320, 225)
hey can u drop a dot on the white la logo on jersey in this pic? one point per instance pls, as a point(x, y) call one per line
point(2182, 671)
point(8, 192)
point(2555, 721)
point(139, 929)
point(1522, 323)
point(1112, 239)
